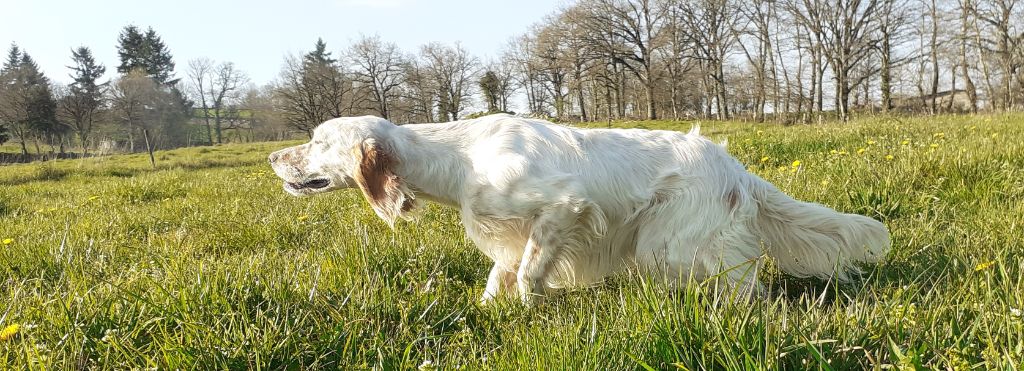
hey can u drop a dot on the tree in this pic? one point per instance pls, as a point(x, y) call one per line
point(216, 88)
point(845, 31)
point(627, 31)
point(314, 89)
point(84, 96)
point(893, 23)
point(490, 87)
point(145, 51)
point(378, 68)
point(712, 24)
point(133, 96)
point(452, 69)
point(27, 105)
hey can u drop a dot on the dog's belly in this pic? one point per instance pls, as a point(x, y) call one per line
point(504, 241)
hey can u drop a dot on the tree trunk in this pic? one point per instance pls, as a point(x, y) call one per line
point(885, 74)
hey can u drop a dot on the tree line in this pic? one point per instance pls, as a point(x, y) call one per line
point(593, 60)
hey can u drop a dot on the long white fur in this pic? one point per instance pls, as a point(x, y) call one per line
point(555, 206)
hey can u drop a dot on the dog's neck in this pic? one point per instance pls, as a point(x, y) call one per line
point(431, 161)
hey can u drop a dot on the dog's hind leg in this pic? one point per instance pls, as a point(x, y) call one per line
point(698, 232)
point(559, 231)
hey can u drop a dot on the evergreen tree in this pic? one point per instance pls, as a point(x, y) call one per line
point(319, 56)
point(131, 50)
point(147, 52)
point(40, 105)
point(85, 94)
point(490, 86)
point(13, 58)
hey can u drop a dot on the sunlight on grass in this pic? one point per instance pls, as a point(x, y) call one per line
point(204, 262)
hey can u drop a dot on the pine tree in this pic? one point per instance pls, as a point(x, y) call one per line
point(147, 52)
point(160, 64)
point(40, 105)
point(131, 50)
point(320, 56)
point(85, 94)
point(489, 86)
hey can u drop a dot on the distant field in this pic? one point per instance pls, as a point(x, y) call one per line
point(206, 263)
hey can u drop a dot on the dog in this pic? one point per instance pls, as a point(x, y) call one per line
point(555, 206)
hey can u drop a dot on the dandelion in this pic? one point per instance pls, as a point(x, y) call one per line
point(871, 142)
point(860, 151)
point(302, 217)
point(994, 135)
point(426, 365)
point(93, 198)
point(833, 152)
point(889, 157)
point(939, 135)
point(8, 332)
point(843, 153)
point(905, 142)
point(934, 145)
point(984, 266)
point(824, 183)
point(764, 159)
point(8, 241)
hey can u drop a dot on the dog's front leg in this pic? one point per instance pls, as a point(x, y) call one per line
point(500, 281)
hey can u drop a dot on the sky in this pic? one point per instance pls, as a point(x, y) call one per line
point(257, 35)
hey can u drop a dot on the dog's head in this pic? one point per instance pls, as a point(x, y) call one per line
point(344, 153)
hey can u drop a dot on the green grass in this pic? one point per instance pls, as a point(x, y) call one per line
point(204, 262)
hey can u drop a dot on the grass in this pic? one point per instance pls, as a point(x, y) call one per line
point(205, 263)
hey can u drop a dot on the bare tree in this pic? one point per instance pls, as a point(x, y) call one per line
point(198, 76)
point(845, 28)
point(712, 24)
point(378, 66)
point(627, 31)
point(453, 70)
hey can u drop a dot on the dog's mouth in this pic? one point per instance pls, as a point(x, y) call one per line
point(313, 184)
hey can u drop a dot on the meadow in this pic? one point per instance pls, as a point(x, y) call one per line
point(205, 263)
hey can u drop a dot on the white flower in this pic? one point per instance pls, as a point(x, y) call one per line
point(426, 365)
point(1015, 312)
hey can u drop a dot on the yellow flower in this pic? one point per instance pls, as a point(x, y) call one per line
point(934, 145)
point(8, 332)
point(92, 198)
point(860, 151)
point(834, 152)
point(994, 135)
point(759, 132)
point(824, 183)
point(796, 163)
point(8, 241)
point(764, 159)
point(870, 142)
point(302, 217)
point(889, 157)
point(939, 135)
point(905, 142)
point(843, 152)
point(984, 266)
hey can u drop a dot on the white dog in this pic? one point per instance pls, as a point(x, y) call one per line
point(555, 206)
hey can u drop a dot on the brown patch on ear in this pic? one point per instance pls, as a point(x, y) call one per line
point(376, 178)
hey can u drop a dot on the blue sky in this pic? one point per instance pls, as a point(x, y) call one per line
point(256, 35)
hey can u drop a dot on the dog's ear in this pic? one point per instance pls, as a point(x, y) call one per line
point(375, 176)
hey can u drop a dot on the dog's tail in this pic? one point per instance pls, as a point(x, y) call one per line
point(808, 239)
